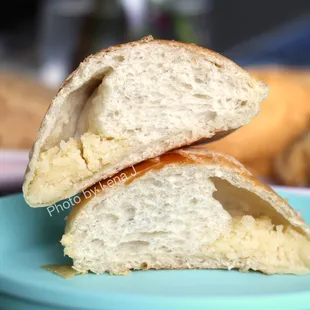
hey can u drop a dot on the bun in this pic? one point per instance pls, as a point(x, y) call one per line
point(284, 116)
point(189, 208)
point(132, 102)
point(23, 103)
point(292, 166)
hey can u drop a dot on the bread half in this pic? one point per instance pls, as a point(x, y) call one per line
point(132, 102)
point(189, 208)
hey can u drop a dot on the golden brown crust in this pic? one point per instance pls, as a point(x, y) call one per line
point(283, 117)
point(209, 157)
point(241, 268)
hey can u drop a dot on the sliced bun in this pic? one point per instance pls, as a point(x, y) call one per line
point(189, 208)
point(284, 116)
point(132, 102)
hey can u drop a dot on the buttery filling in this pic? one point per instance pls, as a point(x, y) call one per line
point(276, 248)
point(65, 271)
point(73, 161)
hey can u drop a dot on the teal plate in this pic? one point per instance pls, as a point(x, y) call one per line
point(29, 238)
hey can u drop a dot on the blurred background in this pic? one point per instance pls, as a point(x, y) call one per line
point(42, 41)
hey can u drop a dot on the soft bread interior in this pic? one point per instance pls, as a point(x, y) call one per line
point(142, 102)
point(186, 216)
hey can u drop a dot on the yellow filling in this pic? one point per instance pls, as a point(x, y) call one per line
point(65, 271)
point(271, 248)
point(73, 161)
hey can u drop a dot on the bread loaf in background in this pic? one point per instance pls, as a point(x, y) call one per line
point(266, 145)
point(292, 166)
point(23, 103)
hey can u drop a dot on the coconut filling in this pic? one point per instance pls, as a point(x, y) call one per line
point(60, 167)
point(78, 158)
point(272, 248)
